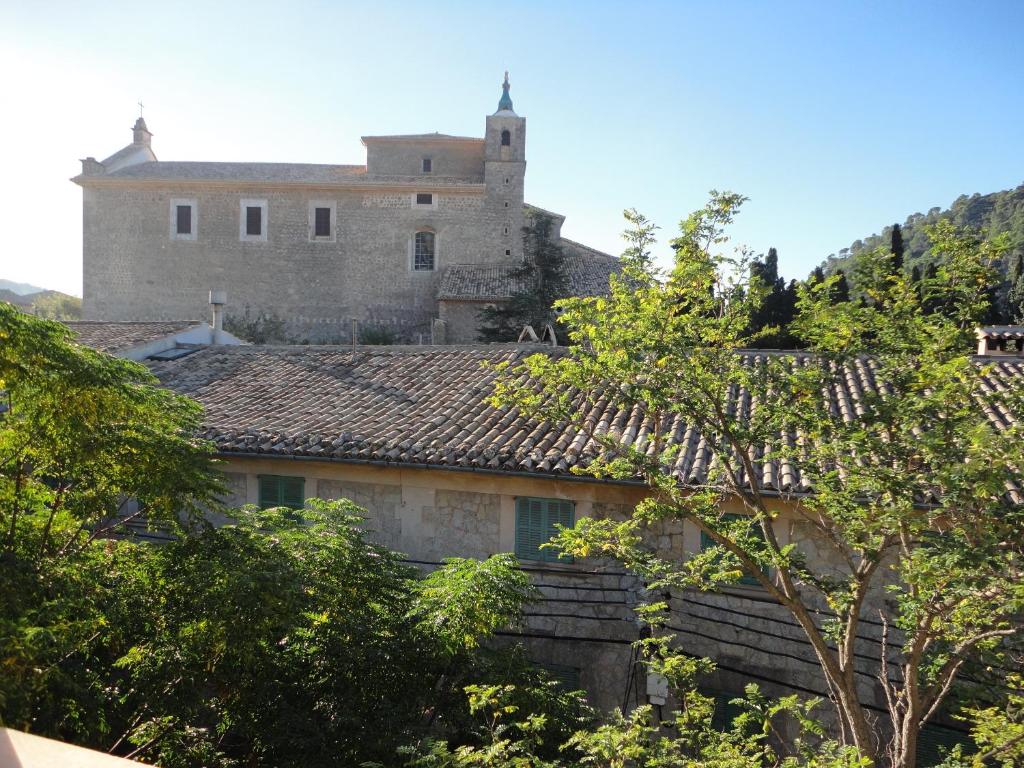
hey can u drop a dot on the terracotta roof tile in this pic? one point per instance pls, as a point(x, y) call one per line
point(109, 336)
point(428, 406)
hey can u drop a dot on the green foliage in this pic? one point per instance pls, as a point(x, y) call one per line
point(998, 733)
point(512, 737)
point(257, 328)
point(989, 216)
point(285, 638)
point(466, 600)
point(377, 335)
point(665, 344)
point(82, 435)
point(343, 653)
point(770, 321)
point(543, 281)
point(51, 305)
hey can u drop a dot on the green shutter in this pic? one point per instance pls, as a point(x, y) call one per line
point(706, 542)
point(567, 678)
point(529, 529)
point(725, 711)
point(281, 491)
point(292, 492)
point(559, 513)
point(934, 742)
point(535, 525)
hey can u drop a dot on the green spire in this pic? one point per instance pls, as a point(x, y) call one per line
point(506, 101)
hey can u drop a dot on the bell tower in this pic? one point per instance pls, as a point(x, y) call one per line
point(504, 172)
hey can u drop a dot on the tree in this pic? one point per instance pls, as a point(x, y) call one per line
point(897, 249)
point(770, 322)
point(284, 638)
point(840, 292)
point(542, 280)
point(1015, 297)
point(88, 445)
point(510, 737)
point(909, 490)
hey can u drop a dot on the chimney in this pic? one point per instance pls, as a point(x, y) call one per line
point(93, 167)
point(218, 298)
point(999, 340)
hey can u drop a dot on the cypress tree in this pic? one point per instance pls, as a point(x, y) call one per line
point(897, 249)
point(841, 291)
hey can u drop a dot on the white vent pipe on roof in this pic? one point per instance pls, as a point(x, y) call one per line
point(218, 299)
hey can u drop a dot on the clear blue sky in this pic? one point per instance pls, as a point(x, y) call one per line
point(835, 119)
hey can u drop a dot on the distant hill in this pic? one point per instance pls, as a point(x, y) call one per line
point(990, 214)
point(19, 288)
point(53, 305)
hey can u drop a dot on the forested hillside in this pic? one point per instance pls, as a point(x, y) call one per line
point(52, 305)
point(989, 215)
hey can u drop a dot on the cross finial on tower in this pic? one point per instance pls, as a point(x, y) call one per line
point(141, 105)
point(505, 104)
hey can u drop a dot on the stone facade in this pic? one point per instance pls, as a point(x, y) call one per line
point(584, 619)
point(138, 266)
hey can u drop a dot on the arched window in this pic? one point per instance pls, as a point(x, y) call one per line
point(423, 251)
point(506, 138)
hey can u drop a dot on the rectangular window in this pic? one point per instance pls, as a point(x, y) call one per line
point(536, 521)
point(322, 222)
point(933, 741)
point(184, 220)
point(427, 164)
point(282, 491)
point(725, 711)
point(706, 542)
point(253, 220)
point(424, 198)
point(567, 678)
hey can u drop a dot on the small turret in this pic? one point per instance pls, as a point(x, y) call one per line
point(141, 134)
point(139, 151)
point(505, 103)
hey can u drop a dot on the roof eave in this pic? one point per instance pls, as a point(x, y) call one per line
point(426, 185)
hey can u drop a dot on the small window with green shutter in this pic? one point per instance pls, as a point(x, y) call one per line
point(706, 542)
point(725, 711)
point(934, 742)
point(535, 525)
point(282, 491)
point(567, 678)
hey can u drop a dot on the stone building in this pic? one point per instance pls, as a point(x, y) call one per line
point(407, 238)
point(409, 434)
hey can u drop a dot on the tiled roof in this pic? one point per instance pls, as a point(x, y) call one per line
point(587, 271)
point(480, 282)
point(1001, 332)
point(115, 336)
point(193, 171)
point(269, 173)
point(427, 406)
point(416, 137)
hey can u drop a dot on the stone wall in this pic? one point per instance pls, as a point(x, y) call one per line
point(133, 270)
point(463, 158)
point(584, 618)
point(461, 320)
